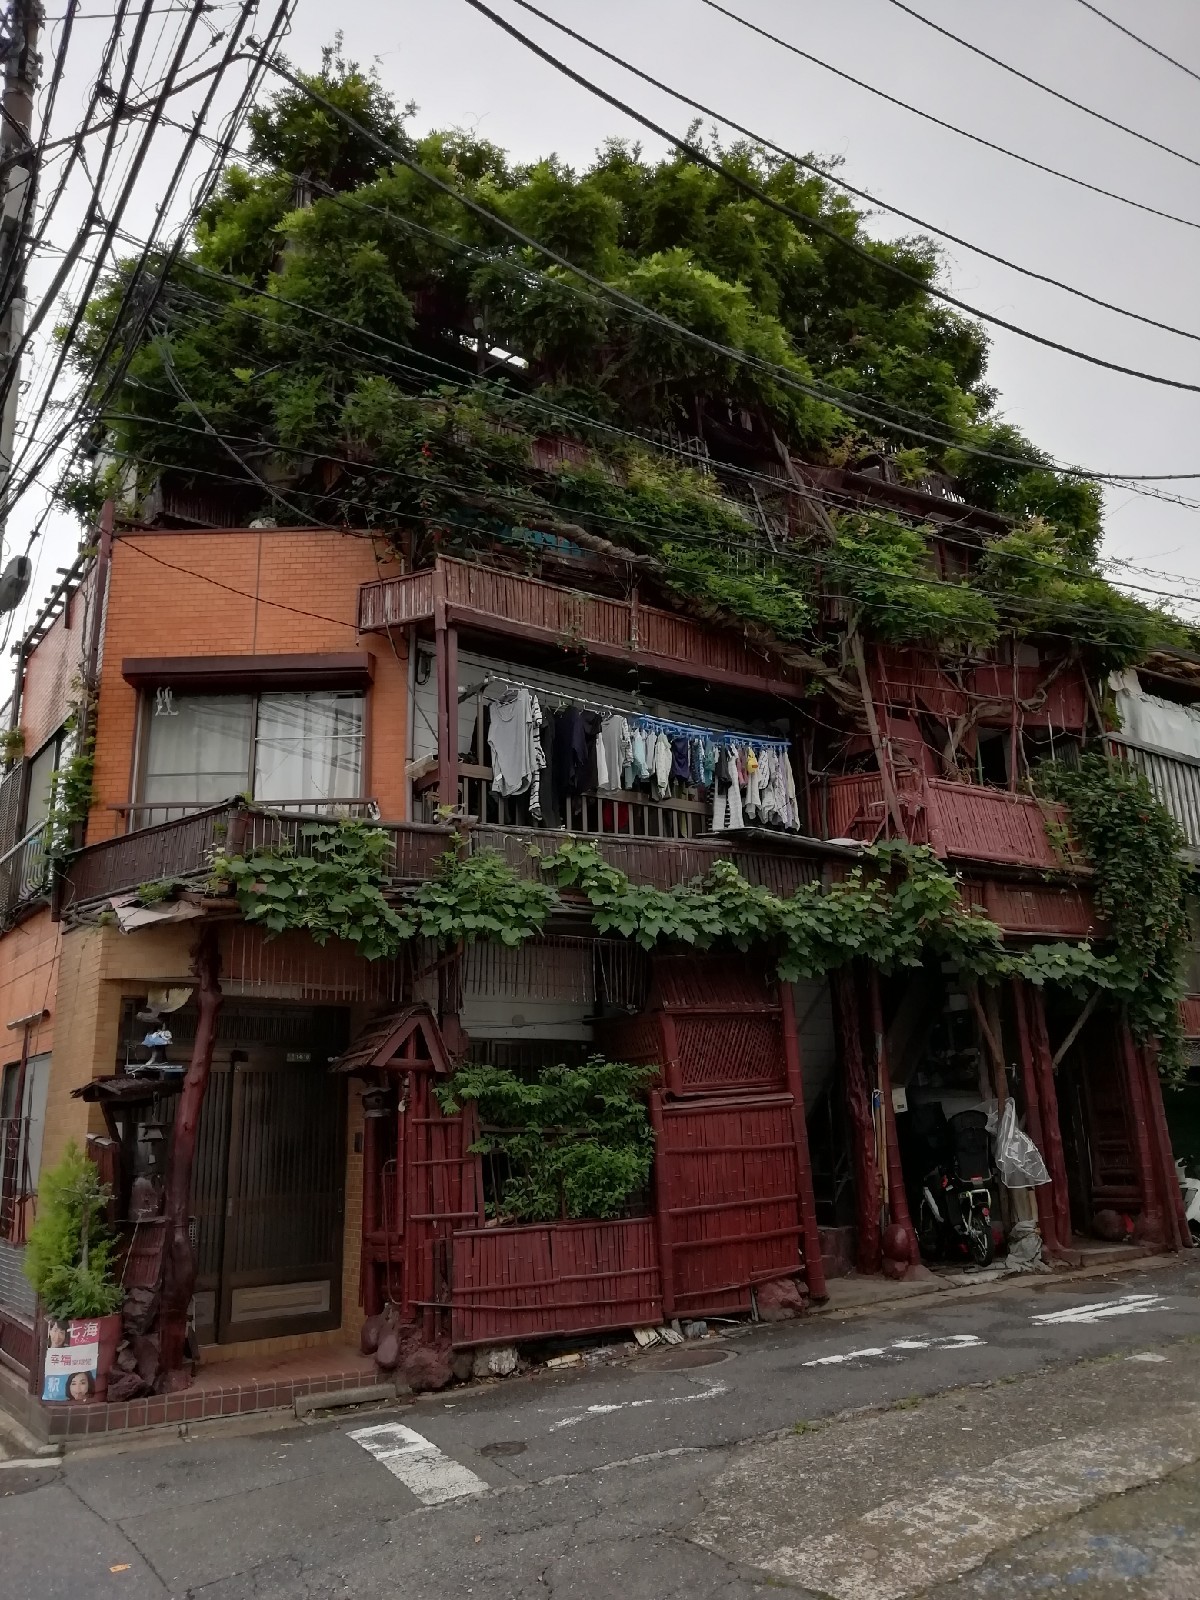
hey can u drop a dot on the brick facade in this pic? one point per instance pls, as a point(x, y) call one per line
point(261, 591)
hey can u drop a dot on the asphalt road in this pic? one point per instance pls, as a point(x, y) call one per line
point(1042, 1439)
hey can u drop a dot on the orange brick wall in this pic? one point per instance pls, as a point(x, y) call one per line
point(242, 592)
point(28, 983)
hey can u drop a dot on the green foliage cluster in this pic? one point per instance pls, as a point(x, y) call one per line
point(71, 786)
point(1133, 843)
point(898, 909)
point(318, 225)
point(69, 1255)
point(332, 887)
point(574, 1141)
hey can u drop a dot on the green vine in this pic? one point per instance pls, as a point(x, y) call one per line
point(330, 887)
point(71, 786)
point(1133, 843)
point(574, 1141)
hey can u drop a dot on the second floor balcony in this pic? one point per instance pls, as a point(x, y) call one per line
point(970, 822)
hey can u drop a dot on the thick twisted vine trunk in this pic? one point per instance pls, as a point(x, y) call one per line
point(179, 1260)
point(857, 1091)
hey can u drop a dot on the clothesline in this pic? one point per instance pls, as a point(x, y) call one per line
point(682, 730)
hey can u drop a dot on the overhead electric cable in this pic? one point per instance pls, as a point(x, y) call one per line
point(1036, 83)
point(950, 127)
point(233, 121)
point(841, 183)
point(831, 395)
point(1137, 38)
point(879, 263)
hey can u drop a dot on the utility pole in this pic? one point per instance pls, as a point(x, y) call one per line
point(22, 65)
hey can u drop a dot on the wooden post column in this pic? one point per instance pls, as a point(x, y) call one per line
point(1154, 1223)
point(858, 1113)
point(1033, 1120)
point(1048, 1096)
point(445, 639)
point(814, 1264)
point(1177, 1221)
point(179, 1263)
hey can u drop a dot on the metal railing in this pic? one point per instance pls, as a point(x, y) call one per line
point(24, 873)
point(16, 1184)
point(149, 815)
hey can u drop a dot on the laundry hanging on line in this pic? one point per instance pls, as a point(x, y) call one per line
point(588, 748)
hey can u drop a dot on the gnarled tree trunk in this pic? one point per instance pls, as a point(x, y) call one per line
point(179, 1259)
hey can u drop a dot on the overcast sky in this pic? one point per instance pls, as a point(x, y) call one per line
point(462, 71)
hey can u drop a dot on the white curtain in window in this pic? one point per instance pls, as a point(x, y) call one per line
point(198, 749)
point(309, 746)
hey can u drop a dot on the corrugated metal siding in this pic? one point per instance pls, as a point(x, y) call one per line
point(16, 1292)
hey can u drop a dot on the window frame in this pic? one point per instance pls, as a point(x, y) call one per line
point(146, 700)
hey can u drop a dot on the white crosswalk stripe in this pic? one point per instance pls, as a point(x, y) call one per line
point(418, 1463)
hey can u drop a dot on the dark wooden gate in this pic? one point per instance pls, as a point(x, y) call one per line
point(445, 1193)
point(728, 1207)
point(1102, 1163)
point(268, 1198)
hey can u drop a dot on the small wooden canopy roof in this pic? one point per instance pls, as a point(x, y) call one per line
point(403, 1041)
point(124, 1090)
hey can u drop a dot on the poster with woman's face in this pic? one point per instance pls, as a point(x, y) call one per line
point(72, 1360)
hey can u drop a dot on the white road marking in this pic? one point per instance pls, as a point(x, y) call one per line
point(709, 1392)
point(950, 1341)
point(1100, 1310)
point(418, 1463)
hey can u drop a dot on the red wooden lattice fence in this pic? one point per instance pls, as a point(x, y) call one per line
point(728, 1205)
point(563, 1277)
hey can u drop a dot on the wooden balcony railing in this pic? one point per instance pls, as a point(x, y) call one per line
point(956, 819)
point(1175, 779)
point(488, 601)
point(184, 847)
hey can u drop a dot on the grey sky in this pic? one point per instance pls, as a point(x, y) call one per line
point(462, 71)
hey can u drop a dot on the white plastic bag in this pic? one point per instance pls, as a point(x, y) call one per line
point(1018, 1160)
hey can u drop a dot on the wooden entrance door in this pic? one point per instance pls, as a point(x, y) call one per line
point(269, 1198)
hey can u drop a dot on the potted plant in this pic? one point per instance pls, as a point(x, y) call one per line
point(69, 1262)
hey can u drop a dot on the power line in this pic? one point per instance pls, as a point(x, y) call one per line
point(862, 194)
point(828, 394)
point(1056, 94)
point(1137, 38)
point(950, 127)
point(878, 262)
point(259, 59)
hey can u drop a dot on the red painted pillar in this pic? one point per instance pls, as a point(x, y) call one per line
point(1177, 1224)
point(897, 1194)
point(662, 1206)
point(1048, 1095)
point(814, 1265)
point(1154, 1226)
point(858, 1114)
point(1033, 1120)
